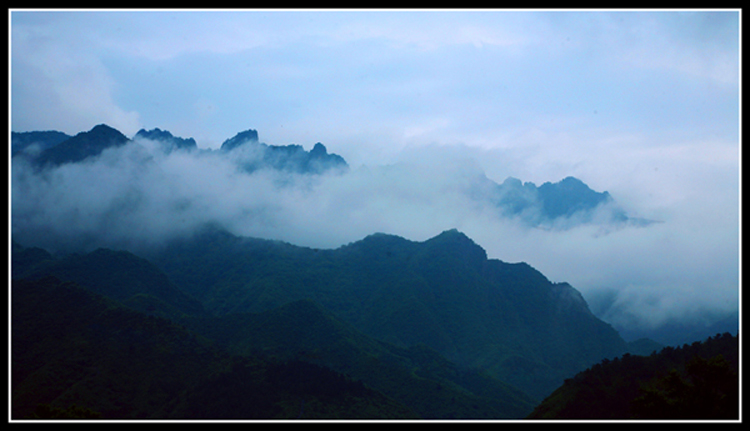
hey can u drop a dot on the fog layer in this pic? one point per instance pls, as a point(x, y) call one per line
point(137, 196)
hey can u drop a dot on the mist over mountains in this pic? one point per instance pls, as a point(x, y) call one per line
point(255, 214)
point(295, 245)
point(564, 204)
point(102, 189)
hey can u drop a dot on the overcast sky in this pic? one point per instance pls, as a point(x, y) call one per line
point(643, 104)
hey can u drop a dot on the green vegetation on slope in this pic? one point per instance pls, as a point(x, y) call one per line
point(118, 275)
point(417, 377)
point(414, 321)
point(505, 318)
point(697, 381)
point(71, 347)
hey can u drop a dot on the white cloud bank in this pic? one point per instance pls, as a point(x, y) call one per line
point(136, 196)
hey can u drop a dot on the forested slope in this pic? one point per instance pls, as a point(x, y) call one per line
point(74, 351)
point(506, 318)
point(696, 381)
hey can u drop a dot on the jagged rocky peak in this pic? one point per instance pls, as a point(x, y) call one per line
point(249, 135)
point(568, 196)
point(291, 158)
point(167, 138)
point(155, 133)
point(572, 185)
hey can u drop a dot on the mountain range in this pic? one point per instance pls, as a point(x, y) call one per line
point(287, 332)
point(563, 204)
point(212, 324)
point(435, 326)
point(51, 149)
point(505, 318)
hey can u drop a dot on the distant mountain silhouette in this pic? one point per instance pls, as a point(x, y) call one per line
point(35, 142)
point(241, 138)
point(253, 155)
point(170, 142)
point(564, 198)
point(56, 148)
point(568, 202)
point(82, 146)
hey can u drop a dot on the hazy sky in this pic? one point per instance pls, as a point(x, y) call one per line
point(643, 104)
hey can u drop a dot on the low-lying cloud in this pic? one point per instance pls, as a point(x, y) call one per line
point(137, 196)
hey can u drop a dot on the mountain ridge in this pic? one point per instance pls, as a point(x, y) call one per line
point(298, 330)
point(255, 155)
point(56, 149)
point(568, 202)
point(514, 356)
point(36, 141)
point(172, 142)
point(406, 292)
point(119, 275)
point(82, 146)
